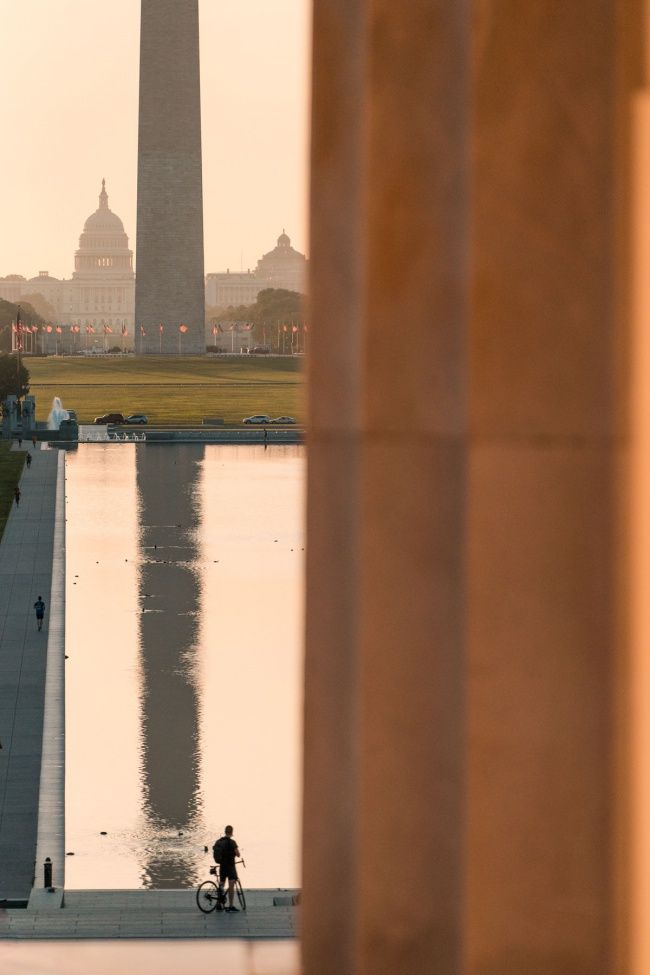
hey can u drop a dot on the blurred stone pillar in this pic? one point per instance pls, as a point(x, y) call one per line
point(466, 638)
point(333, 511)
point(545, 536)
point(411, 611)
point(383, 749)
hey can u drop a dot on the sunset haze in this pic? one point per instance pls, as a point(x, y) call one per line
point(69, 109)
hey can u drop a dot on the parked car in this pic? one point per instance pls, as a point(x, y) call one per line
point(283, 419)
point(261, 350)
point(109, 418)
point(258, 418)
point(137, 418)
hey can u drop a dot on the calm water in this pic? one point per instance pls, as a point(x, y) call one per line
point(184, 631)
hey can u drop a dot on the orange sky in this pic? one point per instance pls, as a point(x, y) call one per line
point(68, 117)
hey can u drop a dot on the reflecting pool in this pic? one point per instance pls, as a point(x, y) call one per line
point(184, 636)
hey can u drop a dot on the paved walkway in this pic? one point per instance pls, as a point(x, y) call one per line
point(149, 957)
point(25, 572)
point(148, 914)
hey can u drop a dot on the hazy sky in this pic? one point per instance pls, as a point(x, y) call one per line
point(69, 113)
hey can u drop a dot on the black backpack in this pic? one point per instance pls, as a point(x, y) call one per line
point(218, 849)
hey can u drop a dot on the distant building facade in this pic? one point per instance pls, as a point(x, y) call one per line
point(224, 290)
point(283, 267)
point(101, 292)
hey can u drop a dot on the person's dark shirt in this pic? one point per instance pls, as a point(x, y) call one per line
point(228, 852)
point(39, 606)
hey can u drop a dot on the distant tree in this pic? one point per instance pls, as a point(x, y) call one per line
point(14, 380)
point(41, 306)
point(277, 304)
point(273, 306)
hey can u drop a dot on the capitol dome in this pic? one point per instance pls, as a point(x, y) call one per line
point(104, 243)
point(103, 220)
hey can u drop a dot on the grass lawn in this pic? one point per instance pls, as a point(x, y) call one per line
point(171, 391)
point(11, 465)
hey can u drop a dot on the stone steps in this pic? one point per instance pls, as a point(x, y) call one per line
point(146, 914)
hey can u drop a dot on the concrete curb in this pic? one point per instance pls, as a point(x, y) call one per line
point(51, 807)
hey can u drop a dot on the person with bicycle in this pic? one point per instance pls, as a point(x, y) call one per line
point(225, 852)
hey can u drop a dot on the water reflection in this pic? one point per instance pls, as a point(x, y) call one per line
point(169, 595)
point(183, 683)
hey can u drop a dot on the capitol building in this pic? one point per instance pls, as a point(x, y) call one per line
point(99, 298)
point(283, 267)
point(101, 292)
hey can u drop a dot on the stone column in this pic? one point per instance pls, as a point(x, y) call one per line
point(411, 610)
point(544, 531)
point(383, 765)
point(480, 614)
point(170, 288)
point(333, 519)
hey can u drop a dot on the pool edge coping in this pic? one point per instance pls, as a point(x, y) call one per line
point(50, 840)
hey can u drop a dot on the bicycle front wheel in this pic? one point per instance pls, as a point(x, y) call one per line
point(207, 896)
point(240, 894)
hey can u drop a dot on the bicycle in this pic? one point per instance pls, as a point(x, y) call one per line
point(210, 895)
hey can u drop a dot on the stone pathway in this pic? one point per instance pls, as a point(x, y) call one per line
point(25, 572)
point(139, 914)
point(148, 957)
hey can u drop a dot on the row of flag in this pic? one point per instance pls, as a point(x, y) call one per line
point(88, 329)
point(249, 326)
point(161, 328)
point(107, 329)
point(74, 329)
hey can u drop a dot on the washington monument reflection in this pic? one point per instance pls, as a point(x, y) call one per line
point(169, 600)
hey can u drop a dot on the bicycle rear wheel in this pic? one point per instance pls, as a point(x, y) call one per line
point(240, 894)
point(207, 896)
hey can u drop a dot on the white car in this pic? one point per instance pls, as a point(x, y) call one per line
point(258, 418)
point(283, 419)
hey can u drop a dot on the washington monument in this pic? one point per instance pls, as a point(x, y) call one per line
point(170, 286)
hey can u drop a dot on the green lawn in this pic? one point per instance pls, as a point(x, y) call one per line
point(11, 465)
point(178, 391)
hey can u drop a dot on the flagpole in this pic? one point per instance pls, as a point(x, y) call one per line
point(19, 342)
